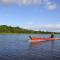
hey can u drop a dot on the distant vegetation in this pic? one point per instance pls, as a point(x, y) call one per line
point(10, 29)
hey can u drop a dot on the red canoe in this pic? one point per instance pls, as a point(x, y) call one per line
point(43, 39)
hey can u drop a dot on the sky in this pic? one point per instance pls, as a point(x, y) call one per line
point(31, 14)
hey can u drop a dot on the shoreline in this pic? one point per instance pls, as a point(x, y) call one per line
point(27, 33)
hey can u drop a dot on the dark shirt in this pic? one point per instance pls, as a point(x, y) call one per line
point(30, 37)
point(52, 35)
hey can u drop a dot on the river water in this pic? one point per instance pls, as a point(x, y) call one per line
point(16, 47)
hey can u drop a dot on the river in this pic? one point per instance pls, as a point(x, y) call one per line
point(16, 47)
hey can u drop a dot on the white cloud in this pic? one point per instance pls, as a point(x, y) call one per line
point(48, 4)
point(46, 27)
point(23, 2)
point(6, 2)
point(51, 6)
point(28, 2)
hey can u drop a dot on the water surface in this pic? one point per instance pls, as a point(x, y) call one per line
point(16, 47)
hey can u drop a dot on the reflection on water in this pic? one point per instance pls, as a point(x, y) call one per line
point(52, 44)
point(15, 47)
point(46, 50)
point(43, 42)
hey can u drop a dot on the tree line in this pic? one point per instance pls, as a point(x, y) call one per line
point(10, 29)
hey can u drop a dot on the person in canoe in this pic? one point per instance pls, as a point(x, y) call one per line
point(52, 35)
point(30, 37)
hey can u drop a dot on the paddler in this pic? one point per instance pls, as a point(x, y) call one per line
point(52, 35)
point(30, 37)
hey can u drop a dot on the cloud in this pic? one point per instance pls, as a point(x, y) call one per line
point(6, 2)
point(28, 2)
point(51, 27)
point(51, 6)
point(45, 27)
point(47, 3)
point(19, 2)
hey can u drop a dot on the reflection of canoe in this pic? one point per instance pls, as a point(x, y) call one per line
point(34, 43)
point(42, 39)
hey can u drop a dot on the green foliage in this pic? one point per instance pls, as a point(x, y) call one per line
point(10, 29)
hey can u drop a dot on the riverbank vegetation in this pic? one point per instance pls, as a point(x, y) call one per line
point(10, 29)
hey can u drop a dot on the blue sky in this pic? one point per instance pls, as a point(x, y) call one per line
point(34, 14)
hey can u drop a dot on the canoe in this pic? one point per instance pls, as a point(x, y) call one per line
point(45, 38)
point(42, 39)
